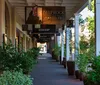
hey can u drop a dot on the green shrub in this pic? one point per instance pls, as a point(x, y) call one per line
point(27, 62)
point(94, 74)
point(34, 52)
point(15, 78)
point(56, 50)
point(11, 59)
point(82, 62)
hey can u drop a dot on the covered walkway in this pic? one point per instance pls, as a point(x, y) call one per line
point(50, 72)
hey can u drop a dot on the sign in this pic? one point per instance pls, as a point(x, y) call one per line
point(44, 28)
point(44, 40)
point(69, 23)
point(37, 26)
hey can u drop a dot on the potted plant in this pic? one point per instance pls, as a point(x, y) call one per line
point(15, 78)
point(56, 52)
point(82, 58)
point(70, 62)
point(82, 63)
point(53, 54)
point(71, 67)
point(93, 75)
point(64, 58)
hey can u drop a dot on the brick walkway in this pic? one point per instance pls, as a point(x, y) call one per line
point(49, 72)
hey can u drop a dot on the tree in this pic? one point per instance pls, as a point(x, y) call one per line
point(90, 19)
point(88, 46)
point(91, 27)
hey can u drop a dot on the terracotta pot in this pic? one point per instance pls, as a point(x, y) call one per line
point(60, 60)
point(52, 54)
point(81, 76)
point(71, 67)
point(64, 62)
point(77, 74)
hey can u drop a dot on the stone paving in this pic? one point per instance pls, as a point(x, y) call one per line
point(50, 72)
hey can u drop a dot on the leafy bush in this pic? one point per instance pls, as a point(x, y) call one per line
point(15, 78)
point(11, 59)
point(94, 74)
point(56, 50)
point(27, 62)
point(33, 52)
point(82, 62)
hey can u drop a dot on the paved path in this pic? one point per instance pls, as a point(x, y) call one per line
point(50, 72)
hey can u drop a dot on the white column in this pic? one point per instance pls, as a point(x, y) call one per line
point(2, 20)
point(58, 40)
point(76, 38)
point(31, 43)
point(67, 44)
point(24, 42)
point(97, 23)
point(62, 45)
point(13, 25)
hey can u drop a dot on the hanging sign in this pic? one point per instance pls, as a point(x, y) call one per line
point(69, 23)
point(44, 28)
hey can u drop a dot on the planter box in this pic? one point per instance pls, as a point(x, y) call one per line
point(71, 67)
point(77, 74)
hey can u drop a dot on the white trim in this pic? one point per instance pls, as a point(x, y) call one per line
point(97, 22)
point(82, 7)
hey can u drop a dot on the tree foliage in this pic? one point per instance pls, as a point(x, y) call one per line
point(90, 23)
point(90, 19)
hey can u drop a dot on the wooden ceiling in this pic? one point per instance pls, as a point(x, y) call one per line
point(72, 6)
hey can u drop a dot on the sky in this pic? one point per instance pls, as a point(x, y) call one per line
point(85, 12)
